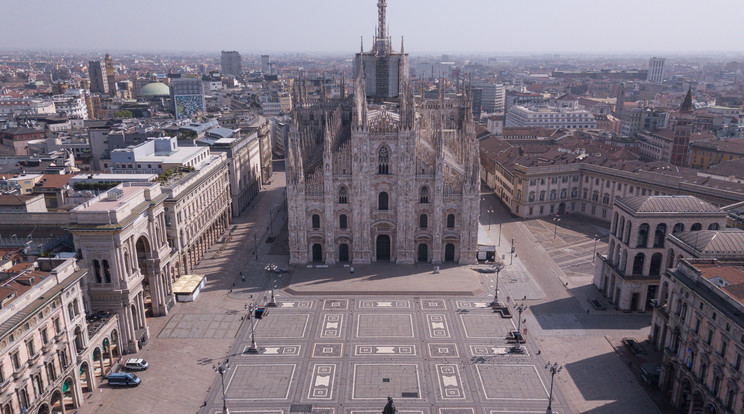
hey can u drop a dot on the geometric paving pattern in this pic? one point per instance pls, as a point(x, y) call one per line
point(433, 356)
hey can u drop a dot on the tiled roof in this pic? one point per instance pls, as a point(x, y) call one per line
point(668, 204)
point(712, 243)
point(14, 200)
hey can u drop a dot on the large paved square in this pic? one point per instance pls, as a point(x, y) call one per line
point(376, 381)
point(260, 382)
point(279, 326)
point(511, 382)
point(383, 325)
point(202, 325)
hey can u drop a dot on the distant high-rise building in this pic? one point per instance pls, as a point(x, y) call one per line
point(656, 70)
point(98, 77)
point(110, 74)
point(266, 64)
point(620, 101)
point(493, 96)
point(188, 97)
point(231, 63)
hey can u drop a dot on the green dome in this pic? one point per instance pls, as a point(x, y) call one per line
point(154, 89)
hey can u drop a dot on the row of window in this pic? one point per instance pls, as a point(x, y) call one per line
point(343, 195)
point(343, 221)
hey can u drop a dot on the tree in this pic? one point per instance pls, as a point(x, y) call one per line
point(124, 113)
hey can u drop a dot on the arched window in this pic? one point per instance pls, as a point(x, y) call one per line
point(696, 227)
point(563, 194)
point(642, 240)
point(574, 192)
point(595, 196)
point(606, 198)
point(450, 221)
point(97, 271)
point(531, 197)
point(542, 195)
point(126, 262)
point(424, 194)
point(316, 221)
point(679, 227)
point(343, 196)
point(660, 235)
point(342, 221)
point(713, 226)
point(106, 271)
point(638, 263)
point(423, 221)
point(655, 268)
point(382, 201)
point(383, 160)
point(552, 195)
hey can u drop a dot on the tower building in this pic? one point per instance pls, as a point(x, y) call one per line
point(383, 174)
point(98, 77)
point(231, 63)
point(656, 70)
point(110, 78)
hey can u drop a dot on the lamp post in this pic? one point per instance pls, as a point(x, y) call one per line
point(500, 233)
point(271, 226)
point(270, 268)
point(255, 246)
point(518, 347)
point(553, 369)
point(496, 293)
point(251, 309)
point(221, 369)
point(511, 252)
point(594, 254)
point(555, 229)
point(490, 217)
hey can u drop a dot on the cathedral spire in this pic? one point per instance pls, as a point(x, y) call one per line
point(381, 31)
point(402, 50)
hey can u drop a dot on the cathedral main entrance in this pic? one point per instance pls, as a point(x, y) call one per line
point(383, 248)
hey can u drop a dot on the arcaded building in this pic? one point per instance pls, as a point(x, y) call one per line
point(382, 175)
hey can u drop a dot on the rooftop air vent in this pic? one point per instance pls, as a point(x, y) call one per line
point(115, 194)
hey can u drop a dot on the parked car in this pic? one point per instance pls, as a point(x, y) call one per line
point(123, 379)
point(136, 364)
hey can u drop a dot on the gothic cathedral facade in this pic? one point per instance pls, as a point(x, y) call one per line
point(383, 174)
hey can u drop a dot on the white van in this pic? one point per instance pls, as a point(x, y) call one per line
point(136, 364)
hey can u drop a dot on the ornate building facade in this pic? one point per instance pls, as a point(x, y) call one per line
point(382, 175)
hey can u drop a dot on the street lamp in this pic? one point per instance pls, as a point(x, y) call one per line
point(255, 246)
point(490, 217)
point(251, 309)
point(553, 369)
point(500, 233)
point(511, 252)
point(595, 248)
point(271, 226)
point(518, 347)
point(496, 293)
point(555, 229)
point(221, 369)
point(270, 268)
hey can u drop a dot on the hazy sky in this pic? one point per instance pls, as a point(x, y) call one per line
point(335, 26)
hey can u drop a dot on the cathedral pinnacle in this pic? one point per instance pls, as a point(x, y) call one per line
point(381, 5)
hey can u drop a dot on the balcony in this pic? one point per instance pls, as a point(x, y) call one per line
point(33, 358)
point(47, 346)
point(58, 337)
point(19, 372)
point(4, 385)
point(670, 352)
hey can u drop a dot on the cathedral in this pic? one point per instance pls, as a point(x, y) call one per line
point(383, 174)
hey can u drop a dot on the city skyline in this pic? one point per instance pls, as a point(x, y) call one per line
point(335, 27)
